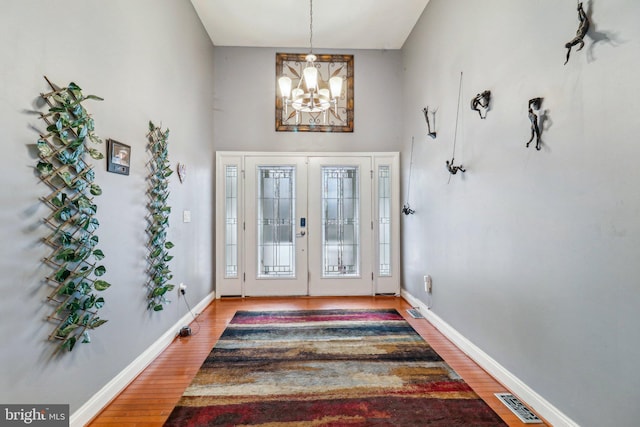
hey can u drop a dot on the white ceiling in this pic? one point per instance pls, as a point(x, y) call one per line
point(337, 24)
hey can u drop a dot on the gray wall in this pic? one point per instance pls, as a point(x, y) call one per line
point(150, 60)
point(534, 255)
point(245, 91)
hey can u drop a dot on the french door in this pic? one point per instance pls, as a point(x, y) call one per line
point(275, 240)
point(291, 224)
point(340, 231)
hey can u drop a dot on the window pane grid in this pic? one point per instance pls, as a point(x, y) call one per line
point(276, 221)
point(384, 221)
point(231, 222)
point(340, 222)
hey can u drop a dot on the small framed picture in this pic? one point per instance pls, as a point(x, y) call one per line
point(118, 157)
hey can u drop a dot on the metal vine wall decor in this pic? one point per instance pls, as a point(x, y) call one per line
point(159, 210)
point(583, 29)
point(63, 167)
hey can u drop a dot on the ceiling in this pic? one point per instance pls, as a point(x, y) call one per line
point(337, 24)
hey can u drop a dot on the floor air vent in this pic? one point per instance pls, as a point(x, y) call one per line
point(415, 313)
point(518, 408)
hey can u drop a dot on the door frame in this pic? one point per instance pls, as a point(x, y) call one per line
point(233, 285)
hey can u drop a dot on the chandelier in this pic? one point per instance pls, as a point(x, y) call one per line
point(315, 95)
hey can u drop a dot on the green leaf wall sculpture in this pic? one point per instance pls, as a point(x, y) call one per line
point(63, 167)
point(158, 193)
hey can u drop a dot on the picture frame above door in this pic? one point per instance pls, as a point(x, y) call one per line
point(337, 118)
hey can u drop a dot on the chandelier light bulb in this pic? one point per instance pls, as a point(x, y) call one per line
point(335, 83)
point(285, 86)
point(311, 77)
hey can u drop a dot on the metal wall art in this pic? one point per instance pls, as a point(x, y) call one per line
point(451, 167)
point(534, 105)
point(182, 172)
point(296, 117)
point(406, 208)
point(431, 132)
point(583, 28)
point(480, 103)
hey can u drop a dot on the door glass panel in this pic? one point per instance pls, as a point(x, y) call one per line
point(276, 221)
point(231, 222)
point(384, 221)
point(340, 221)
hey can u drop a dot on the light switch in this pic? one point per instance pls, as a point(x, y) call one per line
point(186, 216)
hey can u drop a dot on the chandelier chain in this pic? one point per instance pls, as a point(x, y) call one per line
point(311, 26)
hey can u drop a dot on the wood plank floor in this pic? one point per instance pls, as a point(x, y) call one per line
point(151, 397)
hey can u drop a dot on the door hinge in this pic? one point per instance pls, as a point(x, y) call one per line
point(244, 226)
point(244, 277)
point(371, 173)
point(372, 276)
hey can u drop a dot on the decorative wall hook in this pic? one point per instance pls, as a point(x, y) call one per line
point(432, 133)
point(534, 104)
point(583, 28)
point(480, 103)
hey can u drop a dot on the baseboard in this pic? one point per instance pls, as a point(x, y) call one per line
point(99, 400)
point(539, 404)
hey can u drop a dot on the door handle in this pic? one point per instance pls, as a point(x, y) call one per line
point(301, 234)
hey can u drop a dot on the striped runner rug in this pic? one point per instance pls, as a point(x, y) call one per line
point(327, 368)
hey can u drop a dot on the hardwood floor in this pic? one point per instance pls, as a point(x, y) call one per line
point(150, 398)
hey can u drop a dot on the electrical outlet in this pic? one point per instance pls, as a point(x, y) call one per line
point(428, 284)
point(182, 288)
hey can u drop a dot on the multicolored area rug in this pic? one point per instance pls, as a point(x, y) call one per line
point(327, 368)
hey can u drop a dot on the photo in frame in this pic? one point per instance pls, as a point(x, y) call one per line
point(338, 118)
point(118, 157)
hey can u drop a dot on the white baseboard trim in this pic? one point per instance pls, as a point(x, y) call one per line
point(539, 404)
point(93, 406)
